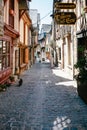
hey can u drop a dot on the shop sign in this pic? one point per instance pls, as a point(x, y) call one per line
point(65, 18)
point(64, 5)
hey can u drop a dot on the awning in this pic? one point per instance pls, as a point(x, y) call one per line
point(81, 34)
point(23, 5)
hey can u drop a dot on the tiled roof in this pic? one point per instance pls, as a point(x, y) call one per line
point(41, 36)
point(46, 28)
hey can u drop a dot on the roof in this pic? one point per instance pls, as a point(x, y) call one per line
point(41, 36)
point(46, 28)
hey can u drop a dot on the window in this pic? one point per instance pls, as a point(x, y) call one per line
point(0, 55)
point(11, 13)
point(22, 53)
point(86, 2)
point(69, 51)
point(59, 53)
point(4, 54)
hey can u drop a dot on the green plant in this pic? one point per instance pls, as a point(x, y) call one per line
point(81, 65)
point(3, 87)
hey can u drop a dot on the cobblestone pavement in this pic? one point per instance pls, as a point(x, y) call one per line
point(43, 102)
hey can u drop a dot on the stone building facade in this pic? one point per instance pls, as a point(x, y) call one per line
point(68, 37)
point(25, 32)
point(35, 17)
point(11, 13)
point(9, 39)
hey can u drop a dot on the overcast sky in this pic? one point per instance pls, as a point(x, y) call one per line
point(44, 7)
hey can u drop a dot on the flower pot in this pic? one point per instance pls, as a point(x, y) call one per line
point(82, 90)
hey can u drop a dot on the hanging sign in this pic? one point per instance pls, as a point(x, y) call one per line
point(64, 5)
point(65, 17)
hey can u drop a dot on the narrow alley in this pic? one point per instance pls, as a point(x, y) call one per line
point(45, 101)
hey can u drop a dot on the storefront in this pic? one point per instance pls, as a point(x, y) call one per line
point(82, 37)
point(5, 61)
point(5, 48)
point(23, 58)
point(82, 40)
point(7, 44)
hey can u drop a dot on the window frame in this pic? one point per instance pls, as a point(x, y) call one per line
point(11, 13)
point(4, 54)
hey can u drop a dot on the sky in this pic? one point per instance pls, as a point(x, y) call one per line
point(44, 7)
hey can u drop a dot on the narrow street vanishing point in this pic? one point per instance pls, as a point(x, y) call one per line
point(45, 101)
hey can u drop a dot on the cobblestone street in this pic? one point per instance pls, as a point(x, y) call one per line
point(45, 101)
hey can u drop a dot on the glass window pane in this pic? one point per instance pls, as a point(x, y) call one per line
point(8, 47)
point(4, 60)
point(4, 54)
point(0, 66)
point(4, 43)
point(4, 50)
point(0, 47)
point(4, 46)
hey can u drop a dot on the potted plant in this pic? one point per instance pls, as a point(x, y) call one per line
point(3, 87)
point(81, 76)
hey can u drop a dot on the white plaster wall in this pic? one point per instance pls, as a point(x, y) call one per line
point(21, 31)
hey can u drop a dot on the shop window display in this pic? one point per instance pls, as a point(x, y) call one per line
point(4, 54)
